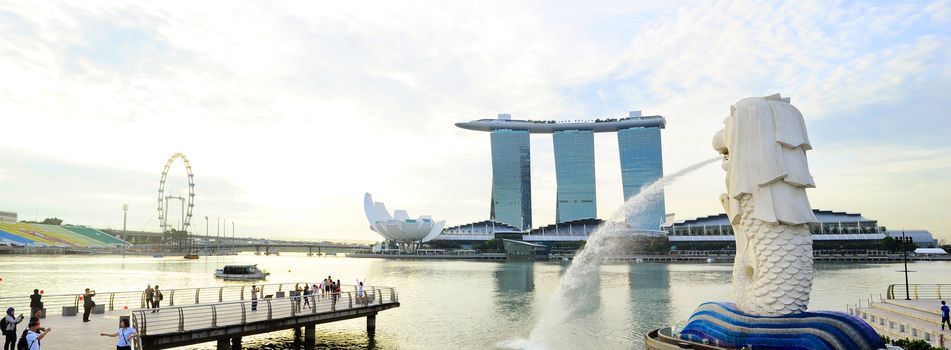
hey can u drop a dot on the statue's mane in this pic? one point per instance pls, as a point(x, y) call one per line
point(767, 142)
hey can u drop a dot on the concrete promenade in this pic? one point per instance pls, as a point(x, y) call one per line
point(209, 314)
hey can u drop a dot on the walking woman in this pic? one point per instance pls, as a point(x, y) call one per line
point(125, 334)
point(9, 328)
point(306, 295)
point(156, 298)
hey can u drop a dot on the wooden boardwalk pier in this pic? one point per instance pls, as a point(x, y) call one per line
point(200, 315)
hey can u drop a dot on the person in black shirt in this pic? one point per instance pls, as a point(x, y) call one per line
point(36, 301)
point(88, 304)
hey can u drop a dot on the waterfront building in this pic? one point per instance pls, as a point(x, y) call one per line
point(641, 163)
point(399, 228)
point(8, 217)
point(478, 231)
point(575, 230)
point(511, 178)
point(574, 172)
point(835, 230)
point(921, 238)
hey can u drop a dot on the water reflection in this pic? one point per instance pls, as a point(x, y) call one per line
point(650, 298)
point(514, 287)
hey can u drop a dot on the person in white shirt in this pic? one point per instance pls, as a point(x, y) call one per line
point(254, 298)
point(361, 296)
point(125, 334)
point(33, 336)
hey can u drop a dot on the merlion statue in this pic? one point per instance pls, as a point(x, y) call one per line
point(764, 146)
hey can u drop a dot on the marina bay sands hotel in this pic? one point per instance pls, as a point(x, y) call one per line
point(641, 163)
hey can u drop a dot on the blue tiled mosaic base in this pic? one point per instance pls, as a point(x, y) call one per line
point(721, 323)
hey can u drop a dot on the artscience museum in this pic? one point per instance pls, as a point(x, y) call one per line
point(399, 228)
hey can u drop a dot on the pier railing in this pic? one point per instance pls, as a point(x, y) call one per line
point(53, 303)
point(215, 315)
point(919, 291)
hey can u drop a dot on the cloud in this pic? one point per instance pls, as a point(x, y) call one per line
point(298, 108)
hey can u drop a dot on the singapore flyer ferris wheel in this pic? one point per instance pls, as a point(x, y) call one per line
point(187, 203)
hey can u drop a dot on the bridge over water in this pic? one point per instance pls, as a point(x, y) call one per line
point(200, 315)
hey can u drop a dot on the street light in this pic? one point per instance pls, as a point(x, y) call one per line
point(903, 239)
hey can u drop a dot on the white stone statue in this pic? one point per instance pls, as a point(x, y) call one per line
point(764, 146)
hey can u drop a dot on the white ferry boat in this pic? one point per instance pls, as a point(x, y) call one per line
point(241, 273)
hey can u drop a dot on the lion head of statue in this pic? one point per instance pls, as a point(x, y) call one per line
point(764, 144)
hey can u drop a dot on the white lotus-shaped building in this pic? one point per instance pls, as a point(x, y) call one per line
point(406, 232)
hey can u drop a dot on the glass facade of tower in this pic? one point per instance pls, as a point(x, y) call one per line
point(642, 164)
point(511, 178)
point(574, 171)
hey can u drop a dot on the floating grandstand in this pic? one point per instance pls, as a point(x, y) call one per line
point(42, 235)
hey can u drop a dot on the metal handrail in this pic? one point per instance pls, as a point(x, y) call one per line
point(136, 299)
point(916, 291)
point(203, 316)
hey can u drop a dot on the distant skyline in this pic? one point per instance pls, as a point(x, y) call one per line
point(290, 112)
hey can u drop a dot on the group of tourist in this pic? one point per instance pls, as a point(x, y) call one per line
point(31, 338)
point(153, 297)
point(309, 295)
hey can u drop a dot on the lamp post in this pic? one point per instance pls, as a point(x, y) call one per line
point(905, 260)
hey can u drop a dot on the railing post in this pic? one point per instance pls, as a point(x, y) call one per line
point(142, 301)
point(293, 306)
point(197, 292)
point(171, 301)
point(939, 291)
point(916, 292)
point(392, 295)
point(244, 313)
point(221, 291)
point(112, 299)
point(181, 319)
point(214, 316)
point(268, 309)
point(242, 291)
point(379, 295)
point(144, 329)
point(350, 299)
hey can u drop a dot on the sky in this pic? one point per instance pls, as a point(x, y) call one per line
point(290, 111)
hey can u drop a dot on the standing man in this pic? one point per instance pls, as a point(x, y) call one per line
point(36, 301)
point(33, 336)
point(88, 304)
point(149, 294)
point(944, 316)
point(254, 298)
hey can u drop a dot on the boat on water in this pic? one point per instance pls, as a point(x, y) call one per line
point(191, 256)
point(241, 273)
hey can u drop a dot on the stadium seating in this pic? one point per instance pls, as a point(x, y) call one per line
point(40, 235)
